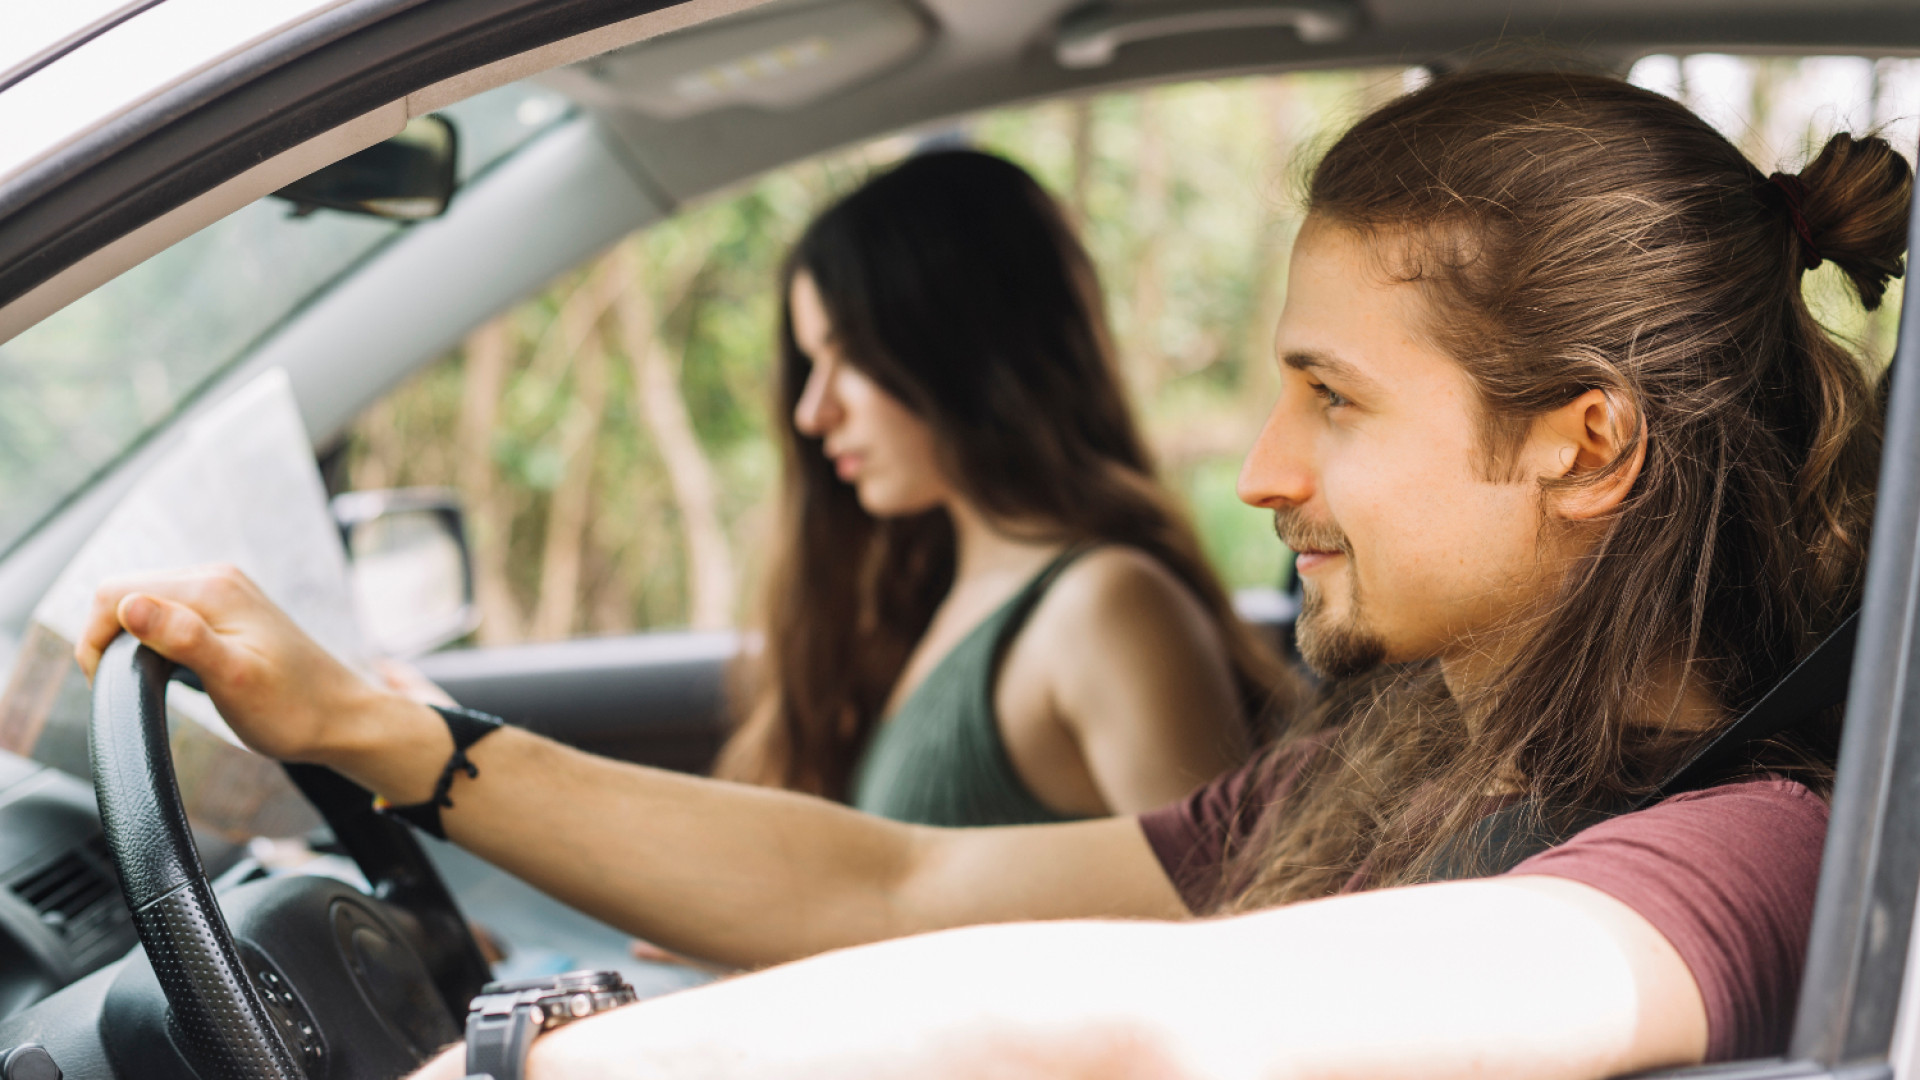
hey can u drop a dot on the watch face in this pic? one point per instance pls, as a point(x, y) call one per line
point(572, 980)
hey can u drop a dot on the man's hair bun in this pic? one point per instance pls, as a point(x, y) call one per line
point(1854, 198)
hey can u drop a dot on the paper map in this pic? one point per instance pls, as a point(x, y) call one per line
point(241, 488)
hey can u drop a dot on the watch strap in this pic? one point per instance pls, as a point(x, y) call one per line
point(497, 1043)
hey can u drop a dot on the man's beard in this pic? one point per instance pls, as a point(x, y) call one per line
point(1334, 650)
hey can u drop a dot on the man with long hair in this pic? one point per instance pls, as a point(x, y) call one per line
point(1573, 474)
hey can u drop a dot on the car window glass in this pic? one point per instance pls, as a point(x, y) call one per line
point(90, 381)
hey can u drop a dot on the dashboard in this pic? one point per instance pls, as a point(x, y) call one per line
point(61, 915)
point(63, 918)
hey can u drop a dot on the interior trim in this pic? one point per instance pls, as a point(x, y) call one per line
point(571, 50)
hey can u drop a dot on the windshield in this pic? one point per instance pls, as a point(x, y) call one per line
point(87, 384)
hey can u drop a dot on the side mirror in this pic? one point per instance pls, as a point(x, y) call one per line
point(409, 177)
point(409, 568)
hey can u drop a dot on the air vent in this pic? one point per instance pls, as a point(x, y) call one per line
point(76, 898)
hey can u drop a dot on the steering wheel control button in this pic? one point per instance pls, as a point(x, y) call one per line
point(275, 989)
point(289, 1017)
point(29, 1061)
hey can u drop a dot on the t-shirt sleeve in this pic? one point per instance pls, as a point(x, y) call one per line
point(1727, 876)
point(1193, 837)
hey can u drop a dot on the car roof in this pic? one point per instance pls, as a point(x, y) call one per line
point(976, 54)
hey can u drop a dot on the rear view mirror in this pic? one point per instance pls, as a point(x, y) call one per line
point(409, 569)
point(409, 177)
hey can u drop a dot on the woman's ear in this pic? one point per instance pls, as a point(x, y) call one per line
point(1582, 437)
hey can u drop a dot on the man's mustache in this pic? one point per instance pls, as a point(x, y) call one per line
point(1300, 534)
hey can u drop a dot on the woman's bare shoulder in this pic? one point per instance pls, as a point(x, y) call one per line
point(1137, 669)
point(1115, 590)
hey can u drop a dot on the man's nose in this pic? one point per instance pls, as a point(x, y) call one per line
point(819, 407)
point(1278, 471)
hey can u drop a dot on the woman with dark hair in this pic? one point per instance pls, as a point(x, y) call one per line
point(984, 610)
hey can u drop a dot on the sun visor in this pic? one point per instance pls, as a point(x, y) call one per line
point(775, 60)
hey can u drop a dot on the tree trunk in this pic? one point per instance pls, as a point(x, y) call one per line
point(1148, 292)
point(560, 551)
point(489, 355)
point(1271, 251)
point(656, 388)
point(1080, 137)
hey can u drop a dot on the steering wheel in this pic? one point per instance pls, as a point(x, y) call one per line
point(313, 978)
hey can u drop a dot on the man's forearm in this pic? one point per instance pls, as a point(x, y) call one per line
point(1507, 978)
point(743, 875)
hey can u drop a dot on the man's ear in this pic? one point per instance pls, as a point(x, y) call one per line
point(1581, 438)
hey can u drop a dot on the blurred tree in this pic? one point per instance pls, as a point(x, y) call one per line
point(659, 402)
point(579, 440)
point(487, 354)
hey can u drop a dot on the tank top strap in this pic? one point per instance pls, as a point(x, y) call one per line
point(1013, 617)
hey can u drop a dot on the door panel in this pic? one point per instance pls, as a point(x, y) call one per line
point(656, 699)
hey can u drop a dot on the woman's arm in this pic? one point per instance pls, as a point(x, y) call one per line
point(1515, 978)
point(742, 875)
point(1135, 670)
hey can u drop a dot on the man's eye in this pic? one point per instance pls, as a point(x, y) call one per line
point(1332, 397)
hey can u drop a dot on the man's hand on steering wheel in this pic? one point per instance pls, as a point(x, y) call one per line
point(283, 694)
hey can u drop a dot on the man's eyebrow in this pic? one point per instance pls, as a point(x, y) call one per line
point(1306, 360)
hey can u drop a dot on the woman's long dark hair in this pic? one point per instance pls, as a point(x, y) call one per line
point(954, 282)
point(1572, 233)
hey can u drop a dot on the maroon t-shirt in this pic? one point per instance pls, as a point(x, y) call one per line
point(1727, 875)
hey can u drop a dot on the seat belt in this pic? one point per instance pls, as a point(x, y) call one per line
point(1517, 833)
point(1817, 682)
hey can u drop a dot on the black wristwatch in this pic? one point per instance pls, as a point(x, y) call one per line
point(503, 1020)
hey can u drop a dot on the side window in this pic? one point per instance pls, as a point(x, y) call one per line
point(608, 437)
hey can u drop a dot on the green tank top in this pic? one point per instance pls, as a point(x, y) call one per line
point(939, 759)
